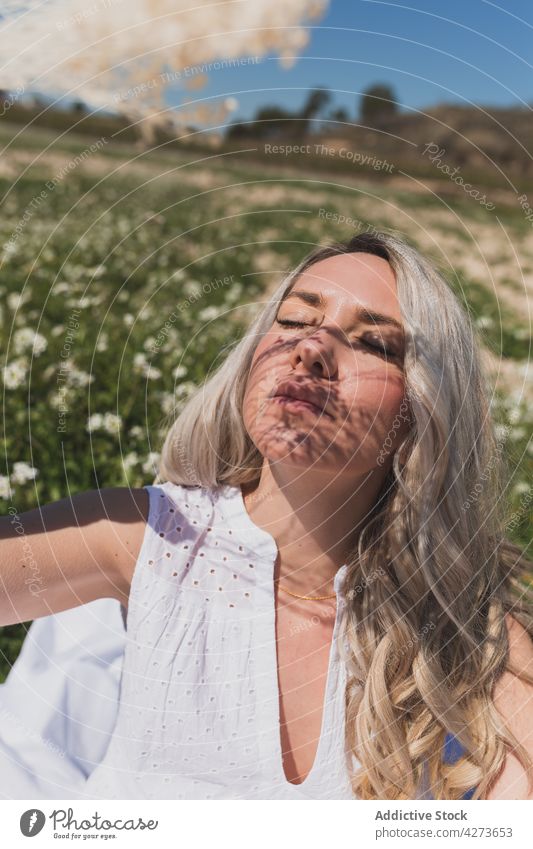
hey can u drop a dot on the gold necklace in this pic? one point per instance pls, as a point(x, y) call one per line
point(309, 597)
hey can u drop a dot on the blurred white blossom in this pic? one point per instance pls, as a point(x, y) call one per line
point(151, 462)
point(15, 300)
point(23, 472)
point(112, 423)
point(103, 342)
point(484, 322)
point(179, 371)
point(184, 389)
point(15, 372)
point(209, 313)
point(141, 365)
point(149, 343)
point(73, 375)
point(108, 422)
point(131, 459)
point(168, 402)
point(95, 422)
point(25, 338)
point(5, 488)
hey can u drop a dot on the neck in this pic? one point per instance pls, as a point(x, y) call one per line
point(314, 519)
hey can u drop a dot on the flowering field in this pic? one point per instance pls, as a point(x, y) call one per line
point(125, 277)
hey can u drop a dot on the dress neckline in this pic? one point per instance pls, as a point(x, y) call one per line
point(265, 546)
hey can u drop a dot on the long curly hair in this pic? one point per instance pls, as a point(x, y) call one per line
point(432, 577)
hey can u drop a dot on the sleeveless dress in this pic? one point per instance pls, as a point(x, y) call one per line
point(198, 714)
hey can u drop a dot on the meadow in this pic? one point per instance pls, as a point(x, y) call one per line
point(126, 276)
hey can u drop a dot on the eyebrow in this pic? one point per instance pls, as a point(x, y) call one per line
point(315, 299)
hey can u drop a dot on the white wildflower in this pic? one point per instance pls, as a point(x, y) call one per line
point(501, 432)
point(150, 464)
point(149, 343)
point(168, 402)
point(128, 319)
point(103, 342)
point(14, 300)
point(131, 459)
point(137, 432)
point(15, 373)
point(209, 313)
point(79, 378)
point(139, 361)
point(23, 472)
point(192, 288)
point(5, 488)
point(112, 423)
point(484, 322)
point(179, 371)
point(521, 488)
point(95, 422)
point(141, 364)
point(184, 389)
point(25, 338)
point(74, 376)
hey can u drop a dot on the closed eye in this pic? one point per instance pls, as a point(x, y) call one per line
point(377, 346)
point(288, 323)
point(374, 345)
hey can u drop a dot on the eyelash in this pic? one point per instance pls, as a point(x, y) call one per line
point(288, 323)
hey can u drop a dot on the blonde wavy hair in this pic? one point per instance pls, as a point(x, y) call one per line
point(432, 576)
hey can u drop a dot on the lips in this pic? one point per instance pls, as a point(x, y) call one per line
point(310, 393)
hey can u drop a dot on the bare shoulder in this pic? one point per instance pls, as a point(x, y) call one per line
point(513, 699)
point(126, 513)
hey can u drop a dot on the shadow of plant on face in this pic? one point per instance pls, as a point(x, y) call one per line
point(345, 435)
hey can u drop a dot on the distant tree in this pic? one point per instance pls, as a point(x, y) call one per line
point(237, 129)
point(276, 122)
point(316, 102)
point(378, 102)
point(78, 106)
point(268, 122)
point(339, 114)
point(272, 121)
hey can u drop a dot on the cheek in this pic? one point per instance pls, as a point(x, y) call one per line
point(264, 373)
point(377, 404)
point(376, 392)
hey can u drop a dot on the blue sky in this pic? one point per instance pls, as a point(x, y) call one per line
point(463, 51)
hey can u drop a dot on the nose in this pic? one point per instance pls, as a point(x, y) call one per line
point(316, 354)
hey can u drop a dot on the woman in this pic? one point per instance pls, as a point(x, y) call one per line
point(317, 532)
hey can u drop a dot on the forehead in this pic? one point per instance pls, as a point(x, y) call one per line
point(353, 279)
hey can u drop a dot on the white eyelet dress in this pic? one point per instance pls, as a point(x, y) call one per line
point(198, 716)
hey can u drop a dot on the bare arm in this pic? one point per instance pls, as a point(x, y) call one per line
point(70, 552)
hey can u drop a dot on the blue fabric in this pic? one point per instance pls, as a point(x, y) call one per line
point(452, 752)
